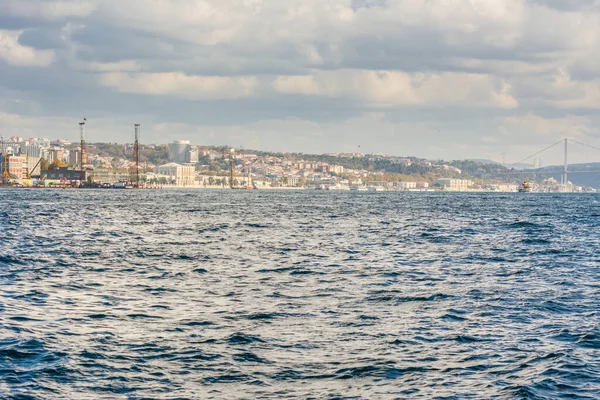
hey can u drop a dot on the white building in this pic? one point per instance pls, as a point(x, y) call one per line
point(406, 185)
point(337, 169)
point(177, 174)
point(292, 180)
point(454, 184)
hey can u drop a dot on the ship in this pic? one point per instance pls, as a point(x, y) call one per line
point(525, 187)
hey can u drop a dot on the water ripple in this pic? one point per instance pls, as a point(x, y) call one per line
point(234, 294)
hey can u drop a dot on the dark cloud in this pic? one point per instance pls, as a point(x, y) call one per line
point(18, 23)
point(43, 38)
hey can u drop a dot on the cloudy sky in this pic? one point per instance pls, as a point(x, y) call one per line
point(431, 78)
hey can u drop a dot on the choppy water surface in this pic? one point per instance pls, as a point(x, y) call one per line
point(234, 294)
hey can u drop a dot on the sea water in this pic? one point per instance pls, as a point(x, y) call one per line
point(216, 294)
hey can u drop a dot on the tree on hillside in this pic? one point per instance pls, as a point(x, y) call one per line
point(44, 164)
point(56, 164)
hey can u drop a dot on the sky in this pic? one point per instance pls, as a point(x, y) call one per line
point(439, 79)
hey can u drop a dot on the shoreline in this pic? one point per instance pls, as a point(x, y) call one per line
point(283, 189)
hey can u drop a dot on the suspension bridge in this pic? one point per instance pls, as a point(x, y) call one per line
point(565, 169)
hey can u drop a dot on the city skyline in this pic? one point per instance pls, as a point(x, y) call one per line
point(475, 80)
point(189, 152)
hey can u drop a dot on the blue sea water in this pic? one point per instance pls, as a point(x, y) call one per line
point(314, 295)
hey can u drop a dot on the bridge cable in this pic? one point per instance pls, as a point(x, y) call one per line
point(541, 151)
point(583, 144)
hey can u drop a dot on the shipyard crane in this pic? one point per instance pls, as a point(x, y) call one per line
point(135, 171)
point(232, 170)
point(33, 169)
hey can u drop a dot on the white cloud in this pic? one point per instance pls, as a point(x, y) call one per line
point(121, 66)
point(14, 54)
point(535, 126)
point(35, 126)
point(394, 88)
point(180, 85)
point(7, 119)
point(574, 94)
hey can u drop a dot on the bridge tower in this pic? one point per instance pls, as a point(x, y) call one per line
point(83, 159)
point(136, 155)
point(566, 173)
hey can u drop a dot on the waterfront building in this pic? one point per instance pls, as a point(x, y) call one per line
point(177, 174)
point(16, 166)
point(405, 185)
point(66, 174)
point(454, 184)
point(292, 180)
point(106, 175)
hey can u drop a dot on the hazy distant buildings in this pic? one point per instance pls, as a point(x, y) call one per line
point(10, 147)
point(180, 151)
point(60, 143)
point(336, 169)
point(33, 147)
point(56, 153)
point(74, 157)
point(193, 155)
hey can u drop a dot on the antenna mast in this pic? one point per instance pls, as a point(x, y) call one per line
point(232, 172)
